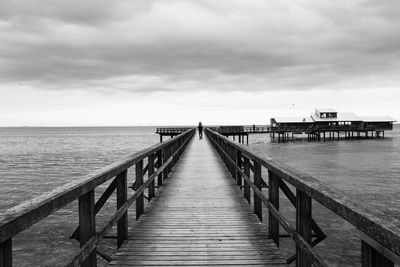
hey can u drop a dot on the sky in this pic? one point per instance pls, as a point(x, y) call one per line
point(178, 62)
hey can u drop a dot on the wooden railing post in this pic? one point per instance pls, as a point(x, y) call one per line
point(164, 159)
point(87, 225)
point(168, 168)
point(303, 226)
point(246, 189)
point(257, 183)
point(139, 183)
point(370, 257)
point(160, 163)
point(122, 196)
point(6, 253)
point(273, 197)
point(150, 173)
point(239, 164)
point(232, 153)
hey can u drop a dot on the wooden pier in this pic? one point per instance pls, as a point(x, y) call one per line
point(206, 200)
point(199, 218)
point(171, 131)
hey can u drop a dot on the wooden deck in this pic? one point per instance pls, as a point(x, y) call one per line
point(199, 218)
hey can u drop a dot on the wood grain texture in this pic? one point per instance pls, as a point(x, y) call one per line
point(199, 218)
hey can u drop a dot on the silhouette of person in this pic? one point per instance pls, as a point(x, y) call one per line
point(200, 128)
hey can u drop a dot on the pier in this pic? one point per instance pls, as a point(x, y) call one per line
point(239, 132)
point(206, 203)
point(328, 124)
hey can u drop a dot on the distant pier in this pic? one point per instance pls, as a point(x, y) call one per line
point(171, 131)
point(328, 124)
point(239, 132)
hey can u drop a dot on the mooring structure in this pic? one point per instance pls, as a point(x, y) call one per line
point(206, 200)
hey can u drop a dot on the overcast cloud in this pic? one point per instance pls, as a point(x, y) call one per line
point(197, 45)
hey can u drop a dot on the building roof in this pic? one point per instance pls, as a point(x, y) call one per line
point(341, 116)
point(325, 110)
point(377, 119)
point(293, 119)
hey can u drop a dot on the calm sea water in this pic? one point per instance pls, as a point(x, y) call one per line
point(36, 160)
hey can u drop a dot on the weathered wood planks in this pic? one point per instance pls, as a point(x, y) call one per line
point(199, 218)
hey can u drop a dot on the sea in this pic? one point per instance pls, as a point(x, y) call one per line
point(35, 160)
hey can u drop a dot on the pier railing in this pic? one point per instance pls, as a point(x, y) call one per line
point(380, 241)
point(242, 129)
point(172, 130)
point(159, 158)
point(329, 128)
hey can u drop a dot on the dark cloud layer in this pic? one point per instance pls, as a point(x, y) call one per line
point(196, 45)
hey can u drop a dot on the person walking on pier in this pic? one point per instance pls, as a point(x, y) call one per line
point(200, 128)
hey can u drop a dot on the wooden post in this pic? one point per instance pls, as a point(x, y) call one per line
point(273, 197)
point(246, 190)
point(139, 183)
point(232, 155)
point(87, 225)
point(150, 172)
point(160, 163)
point(6, 253)
point(122, 196)
point(257, 183)
point(370, 257)
point(303, 225)
point(165, 158)
point(238, 163)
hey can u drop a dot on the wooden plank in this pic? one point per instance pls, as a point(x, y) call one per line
point(378, 248)
point(159, 164)
point(6, 253)
point(303, 226)
point(372, 258)
point(122, 197)
point(246, 189)
point(87, 225)
point(139, 182)
point(199, 218)
point(150, 173)
point(273, 197)
point(257, 183)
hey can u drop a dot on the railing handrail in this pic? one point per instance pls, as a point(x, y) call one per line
point(24, 215)
point(386, 234)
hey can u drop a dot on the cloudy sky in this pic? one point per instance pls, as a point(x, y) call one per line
point(149, 62)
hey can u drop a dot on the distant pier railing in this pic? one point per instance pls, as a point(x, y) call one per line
point(159, 161)
point(171, 131)
point(315, 131)
point(380, 241)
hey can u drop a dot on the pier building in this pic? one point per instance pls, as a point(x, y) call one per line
point(328, 123)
